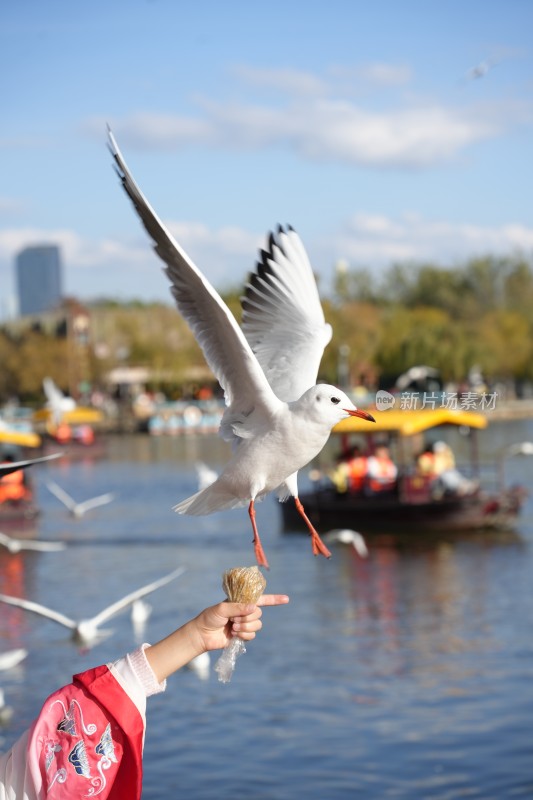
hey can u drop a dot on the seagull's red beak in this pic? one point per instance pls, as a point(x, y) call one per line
point(359, 413)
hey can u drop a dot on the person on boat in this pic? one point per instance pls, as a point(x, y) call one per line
point(351, 471)
point(63, 433)
point(83, 434)
point(382, 472)
point(437, 463)
point(14, 487)
point(425, 463)
point(88, 738)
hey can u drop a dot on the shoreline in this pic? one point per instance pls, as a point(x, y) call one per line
point(511, 410)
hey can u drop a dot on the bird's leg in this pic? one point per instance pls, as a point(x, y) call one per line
point(316, 542)
point(258, 547)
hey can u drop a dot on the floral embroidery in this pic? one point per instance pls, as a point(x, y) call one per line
point(51, 747)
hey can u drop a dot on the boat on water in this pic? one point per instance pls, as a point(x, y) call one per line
point(185, 417)
point(22, 510)
point(73, 435)
point(416, 502)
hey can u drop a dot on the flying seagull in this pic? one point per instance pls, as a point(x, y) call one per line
point(78, 509)
point(86, 631)
point(13, 466)
point(16, 545)
point(57, 401)
point(276, 417)
point(417, 375)
point(347, 536)
point(201, 665)
point(6, 712)
point(206, 476)
point(11, 658)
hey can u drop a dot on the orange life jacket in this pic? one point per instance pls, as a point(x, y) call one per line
point(63, 433)
point(12, 486)
point(426, 463)
point(357, 470)
point(383, 474)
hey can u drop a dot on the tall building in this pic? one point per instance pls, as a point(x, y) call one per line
point(38, 279)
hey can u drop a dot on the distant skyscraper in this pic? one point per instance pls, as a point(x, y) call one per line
point(38, 279)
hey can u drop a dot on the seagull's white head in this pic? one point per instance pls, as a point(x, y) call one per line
point(330, 405)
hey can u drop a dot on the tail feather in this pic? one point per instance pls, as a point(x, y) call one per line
point(207, 501)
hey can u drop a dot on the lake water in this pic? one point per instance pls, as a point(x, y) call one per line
point(406, 675)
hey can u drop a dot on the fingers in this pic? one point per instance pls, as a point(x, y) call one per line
point(272, 600)
point(246, 628)
point(248, 622)
point(243, 609)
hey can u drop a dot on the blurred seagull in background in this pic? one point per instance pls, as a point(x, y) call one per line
point(201, 665)
point(86, 632)
point(12, 658)
point(347, 536)
point(78, 509)
point(277, 418)
point(416, 377)
point(13, 466)
point(56, 401)
point(206, 476)
point(481, 69)
point(6, 712)
point(141, 612)
point(16, 545)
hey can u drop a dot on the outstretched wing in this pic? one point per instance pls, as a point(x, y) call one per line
point(94, 502)
point(14, 545)
point(113, 609)
point(13, 466)
point(42, 546)
point(7, 541)
point(61, 495)
point(224, 346)
point(37, 608)
point(53, 393)
point(56, 400)
point(283, 319)
point(11, 658)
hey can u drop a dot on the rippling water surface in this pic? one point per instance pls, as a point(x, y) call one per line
point(405, 675)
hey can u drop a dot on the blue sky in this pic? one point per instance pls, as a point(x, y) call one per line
point(361, 124)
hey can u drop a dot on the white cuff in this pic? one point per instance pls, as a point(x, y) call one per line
point(144, 672)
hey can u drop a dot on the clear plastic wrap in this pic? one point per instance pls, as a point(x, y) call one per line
point(241, 585)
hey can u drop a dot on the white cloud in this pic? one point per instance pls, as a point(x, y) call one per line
point(75, 250)
point(126, 269)
point(290, 81)
point(377, 74)
point(130, 268)
point(377, 241)
point(318, 119)
point(317, 130)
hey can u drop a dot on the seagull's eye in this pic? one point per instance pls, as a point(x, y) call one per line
point(335, 400)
